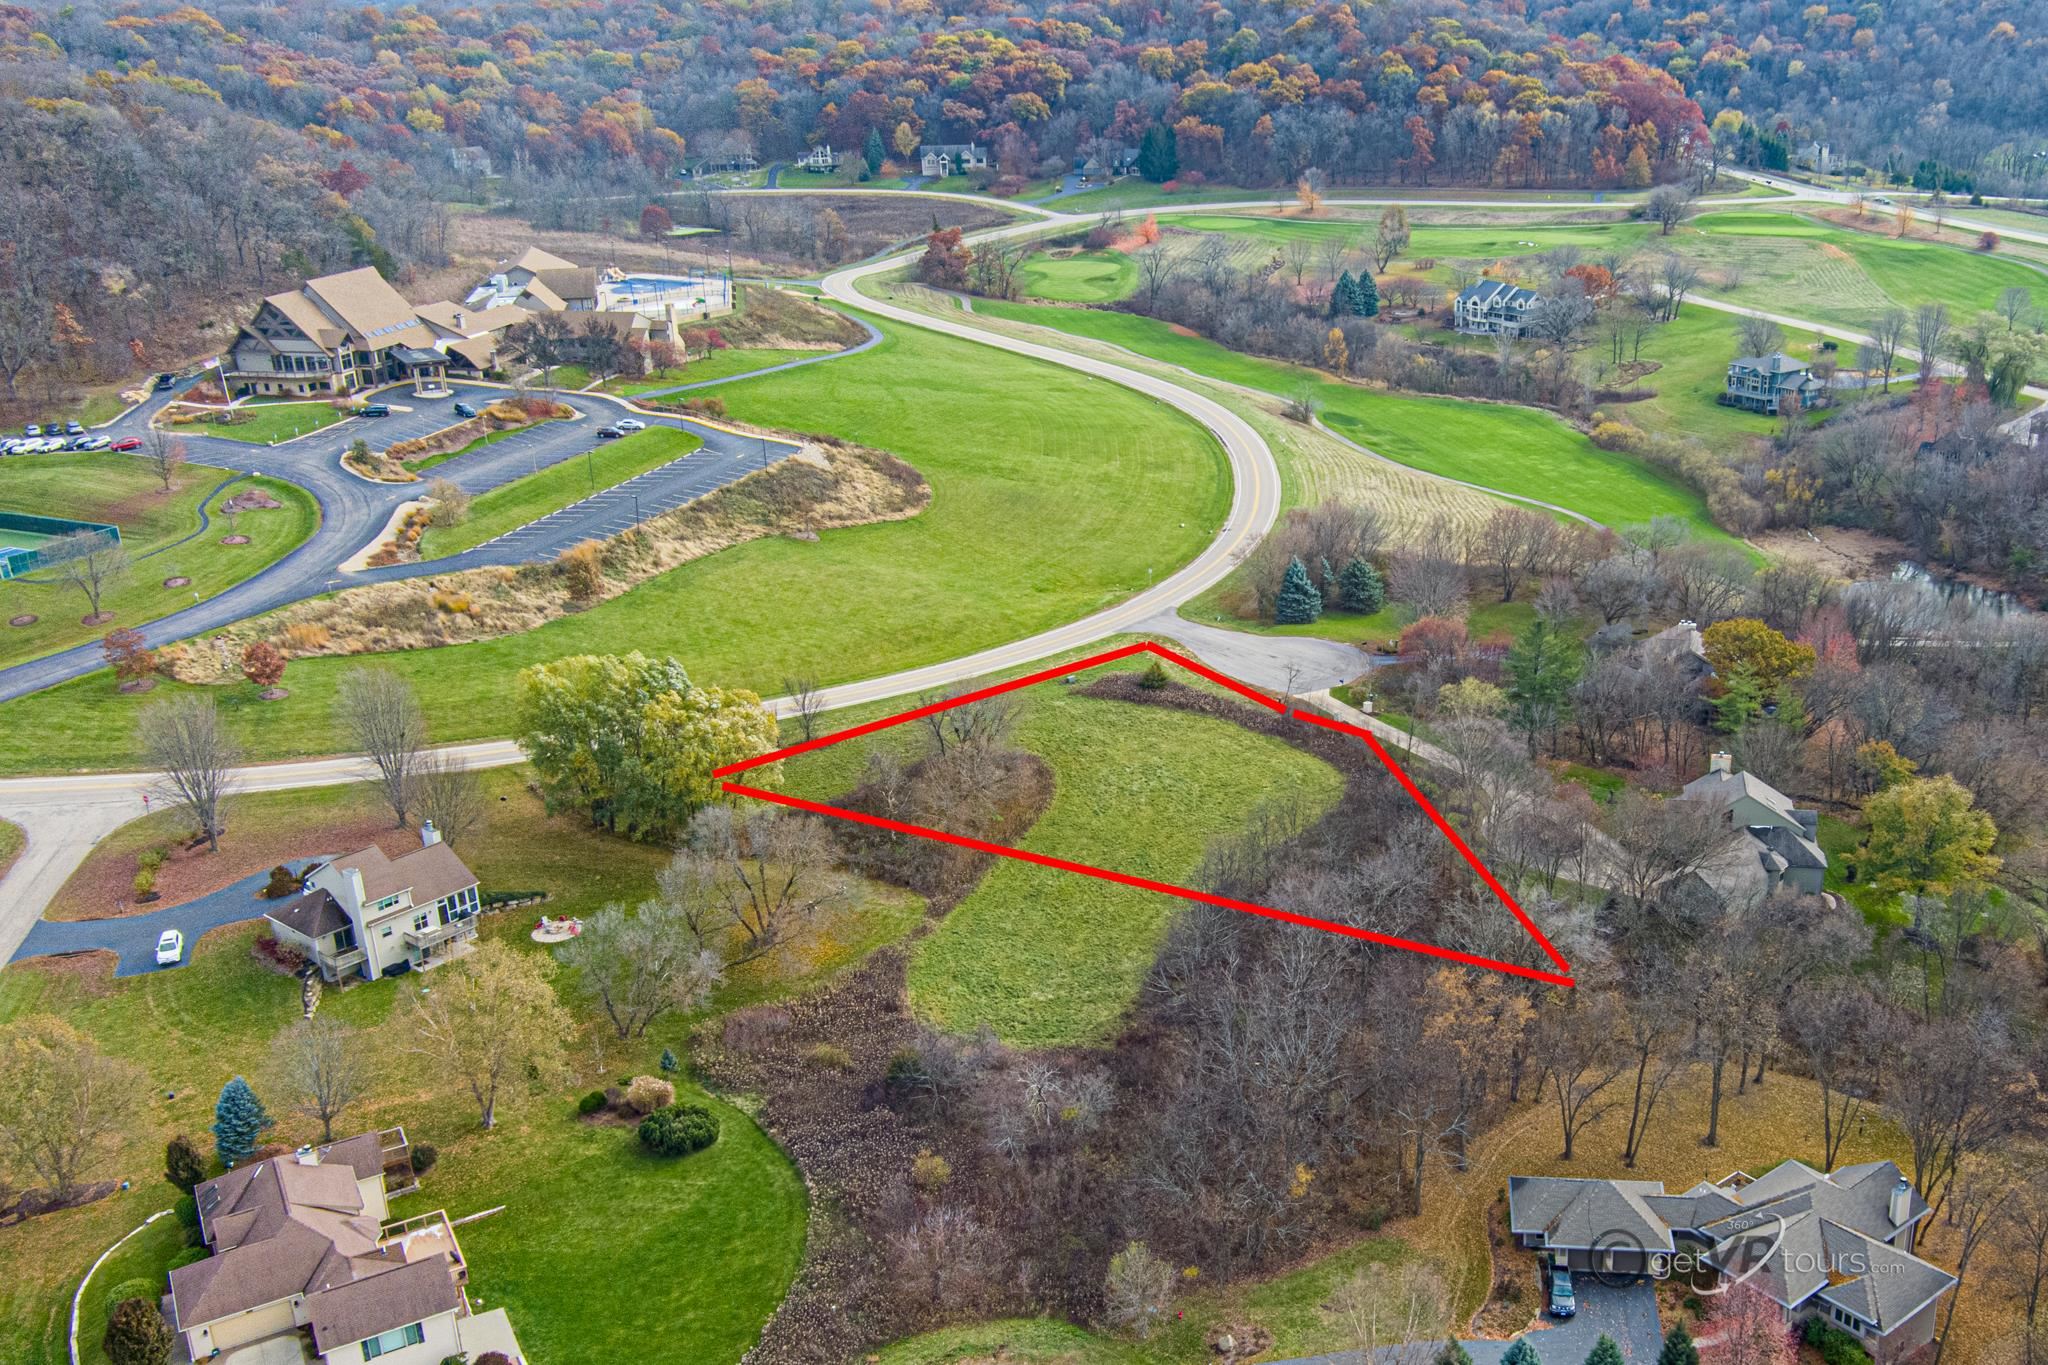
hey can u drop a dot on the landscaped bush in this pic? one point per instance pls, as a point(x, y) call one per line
point(187, 1210)
point(279, 955)
point(828, 1057)
point(283, 882)
point(184, 1166)
point(649, 1093)
point(591, 1103)
point(137, 1333)
point(1836, 1347)
point(678, 1130)
point(189, 1256)
point(423, 1158)
point(1616, 436)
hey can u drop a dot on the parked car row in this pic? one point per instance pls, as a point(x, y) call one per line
point(48, 429)
point(620, 428)
point(45, 445)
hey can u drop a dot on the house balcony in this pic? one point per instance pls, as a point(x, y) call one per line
point(442, 933)
point(423, 1235)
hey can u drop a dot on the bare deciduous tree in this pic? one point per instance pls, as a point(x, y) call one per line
point(183, 739)
point(61, 1100)
point(1887, 334)
point(1930, 331)
point(383, 719)
point(641, 965)
point(807, 703)
point(324, 1065)
point(90, 561)
point(1759, 336)
point(164, 454)
point(742, 885)
point(1574, 1049)
point(492, 1022)
point(451, 798)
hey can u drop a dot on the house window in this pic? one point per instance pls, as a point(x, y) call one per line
point(345, 938)
point(423, 921)
point(397, 1339)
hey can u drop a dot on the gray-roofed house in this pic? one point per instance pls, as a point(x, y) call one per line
point(1491, 307)
point(1761, 383)
point(370, 915)
point(1783, 838)
point(938, 160)
point(304, 1266)
point(1837, 1246)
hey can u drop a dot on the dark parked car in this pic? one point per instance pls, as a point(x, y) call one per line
point(609, 433)
point(377, 410)
point(464, 410)
point(1563, 1302)
point(166, 381)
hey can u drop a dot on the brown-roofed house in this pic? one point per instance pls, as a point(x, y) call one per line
point(372, 915)
point(333, 334)
point(304, 1266)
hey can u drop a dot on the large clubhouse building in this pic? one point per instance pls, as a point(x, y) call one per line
point(342, 333)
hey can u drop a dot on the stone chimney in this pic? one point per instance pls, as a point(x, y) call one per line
point(429, 836)
point(1722, 763)
point(1902, 1201)
point(458, 321)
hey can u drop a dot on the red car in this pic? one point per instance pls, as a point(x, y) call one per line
point(127, 443)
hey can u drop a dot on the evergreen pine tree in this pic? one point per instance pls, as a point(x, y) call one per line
point(1741, 699)
point(137, 1334)
point(668, 1061)
point(1365, 295)
point(183, 1166)
point(1360, 588)
point(1678, 1348)
point(873, 153)
point(1298, 603)
point(1159, 154)
point(1540, 669)
point(1452, 1352)
point(1520, 1352)
point(1341, 295)
point(238, 1120)
point(1605, 1352)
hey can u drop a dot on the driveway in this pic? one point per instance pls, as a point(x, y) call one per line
point(134, 937)
point(1627, 1313)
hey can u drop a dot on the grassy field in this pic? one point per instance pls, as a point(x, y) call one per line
point(270, 423)
point(1009, 546)
point(122, 491)
point(1516, 450)
point(512, 505)
point(556, 1258)
point(734, 360)
point(1086, 277)
point(1050, 958)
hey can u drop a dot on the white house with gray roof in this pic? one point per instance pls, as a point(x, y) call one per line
point(1837, 1246)
point(371, 915)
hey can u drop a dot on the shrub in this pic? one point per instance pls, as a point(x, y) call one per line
point(187, 1210)
point(678, 1130)
point(451, 504)
point(583, 566)
point(1836, 1347)
point(828, 1057)
point(705, 407)
point(191, 1255)
point(929, 1171)
point(493, 1358)
point(1616, 436)
point(454, 603)
point(184, 1167)
point(307, 639)
point(283, 882)
point(649, 1093)
point(145, 883)
point(591, 1103)
point(424, 1155)
point(137, 1334)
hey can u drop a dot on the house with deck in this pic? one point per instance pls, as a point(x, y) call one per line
point(305, 1264)
point(1492, 308)
point(1763, 383)
point(1833, 1245)
point(371, 915)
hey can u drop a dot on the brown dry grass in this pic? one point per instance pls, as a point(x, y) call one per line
point(836, 486)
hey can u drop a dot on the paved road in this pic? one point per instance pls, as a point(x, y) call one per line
point(354, 511)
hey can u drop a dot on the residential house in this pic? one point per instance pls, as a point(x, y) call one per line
point(370, 915)
point(1835, 1245)
point(1782, 838)
point(1762, 383)
point(727, 162)
point(938, 160)
point(1094, 171)
point(1492, 307)
point(821, 159)
point(304, 1266)
point(334, 334)
point(471, 160)
point(539, 281)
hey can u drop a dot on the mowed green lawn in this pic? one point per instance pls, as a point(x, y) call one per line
point(512, 505)
point(1050, 958)
point(1461, 242)
point(1087, 277)
point(734, 360)
point(269, 423)
point(1515, 450)
point(122, 491)
point(1054, 495)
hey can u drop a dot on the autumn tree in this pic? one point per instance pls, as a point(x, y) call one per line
point(1745, 642)
point(324, 1066)
point(1750, 1329)
point(263, 664)
point(492, 1022)
point(945, 260)
point(1926, 834)
point(128, 654)
point(62, 1101)
point(655, 223)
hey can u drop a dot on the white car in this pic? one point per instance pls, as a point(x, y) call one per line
point(170, 946)
point(630, 424)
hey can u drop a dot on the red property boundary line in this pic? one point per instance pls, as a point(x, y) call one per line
point(1560, 977)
